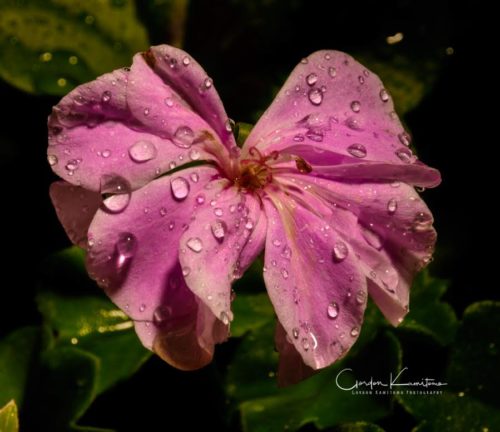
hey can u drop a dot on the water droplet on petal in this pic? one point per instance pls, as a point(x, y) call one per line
point(384, 96)
point(355, 106)
point(186, 61)
point(332, 72)
point(106, 96)
point(357, 150)
point(146, 111)
point(161, 314)
point(286, 253)
point(200, 199)
point(219, 229)
point(163, 211)
point(142, 151)
point(52, 159)
point(392, 206)
point(295, 332)
point(311, 79)
point(360, 297)
point(218, 212)
point(229, 125)
point(298, 138)
point(340, 251)
point(315, 96)
point(183, 137)
point(126, 247)
point(180, 188)
point(405, 155)
point(333, 310)
point(361, 79)
point(106, 153)
point(195, 244)
point(422, 222)
point(207, 83)
point(404, 139)
point(371, 237)
point(72, 165)
point(224, 318)
point(194, 154)
point(284, 273)
point(185, 271)
point(194, 177)
point(305, 344)
point(169, 102)
point(354, 331)
point(277, 242)
point(116, 192)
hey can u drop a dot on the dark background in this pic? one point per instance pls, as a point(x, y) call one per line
point(249, 48)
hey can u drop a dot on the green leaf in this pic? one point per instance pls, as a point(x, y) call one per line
point(8, 418)
point(250, 313)
point(469, 402)
point(429, 315)
point(264, 407)
point(66, 389)
point(90, 321)
point(358, 427)
point(50, 46)
point(17, 352)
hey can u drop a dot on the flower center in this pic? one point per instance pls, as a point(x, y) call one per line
point(255, 173)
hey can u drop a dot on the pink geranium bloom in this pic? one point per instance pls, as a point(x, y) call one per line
point(324, 184)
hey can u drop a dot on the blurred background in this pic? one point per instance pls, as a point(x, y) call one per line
point(66, 363)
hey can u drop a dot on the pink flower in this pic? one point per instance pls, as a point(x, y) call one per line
point(324, 184)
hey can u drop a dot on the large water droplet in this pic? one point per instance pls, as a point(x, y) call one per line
point(333, 310)
point(106, 96)
point(116, 192)
point(392, 206)
point(355, 106)
point(183, 137)
point(52, 159)
point(180, 188)
point(315, 96)
point(357, 150)
point(384, 96)
point(142, 151)
point(311, 79)
point(219, 229)
point(126, 247)
point(340, 251)
point(195, 244)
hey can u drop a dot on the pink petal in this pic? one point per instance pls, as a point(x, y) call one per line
point(313, 279)
point(291, 368)
point(129, 124)
point(330, 102)
point(392, 233)
point(75, 207)
point(227, 236)
point(188, 79)
point(133, 256)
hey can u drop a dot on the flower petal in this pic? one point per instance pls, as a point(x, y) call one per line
point(104, 128)
point(133, 256)
point(228, 235)
point(392, 233)
point(330, 102)
point(75, 207)
point(188, 79)
point(314, 281)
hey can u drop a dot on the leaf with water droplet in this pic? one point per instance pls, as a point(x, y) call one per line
point(53, 46)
